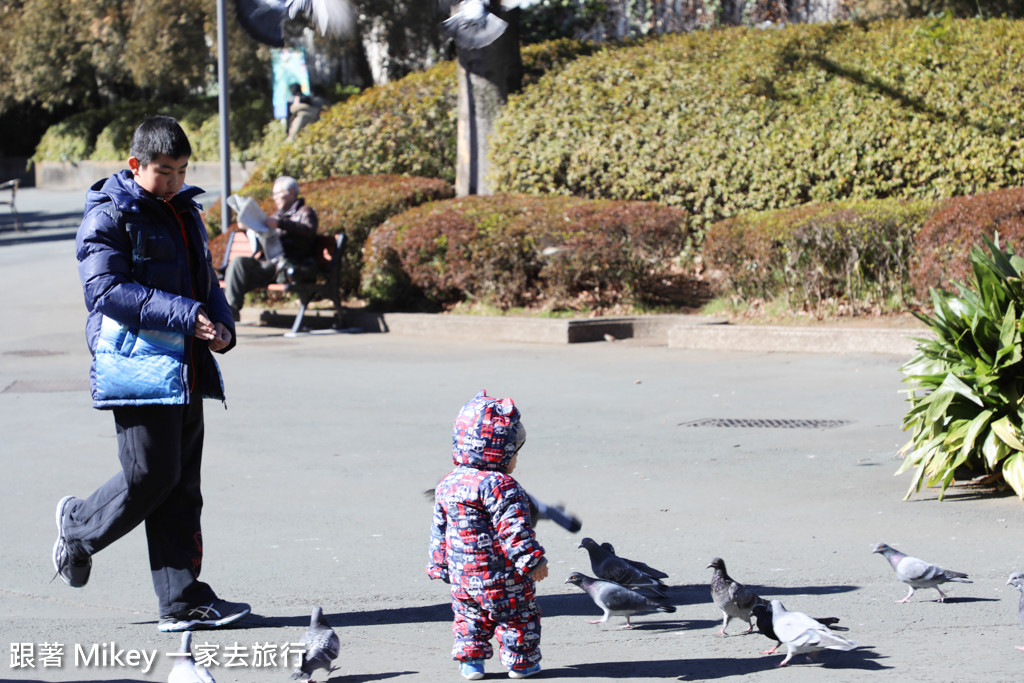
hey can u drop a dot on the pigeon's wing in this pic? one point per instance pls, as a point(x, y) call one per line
point(791, 627)
point(263, 20)
point(473, 27)
point(331, 16)
point(647, 569)
point(619, 598)
point(743, 597)
point(912, 570)
point(322, 647)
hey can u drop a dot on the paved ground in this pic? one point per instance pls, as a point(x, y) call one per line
point(314, 481)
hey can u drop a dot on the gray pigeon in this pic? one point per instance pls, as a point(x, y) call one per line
point(322, 647)
point(185, 669)
point(1017, 581)
point(802, 634)
point(732, 597)
point(474, 26)
point(615, 599)
point(610, 567)
point(645, 568)
point(918, 573)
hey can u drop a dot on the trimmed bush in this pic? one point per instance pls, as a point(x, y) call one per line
point(404, 127)
point(943, 245)
point(855, 252)
point(725, 122)
point(513, 251)
point(353, 205)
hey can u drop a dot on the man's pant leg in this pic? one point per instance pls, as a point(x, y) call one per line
point(245, 274)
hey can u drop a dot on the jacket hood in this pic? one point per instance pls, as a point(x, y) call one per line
point(487, 433)
point(125, 193)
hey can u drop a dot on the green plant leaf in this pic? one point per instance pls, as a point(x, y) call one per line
point(1013, 473)
point(1008, 433)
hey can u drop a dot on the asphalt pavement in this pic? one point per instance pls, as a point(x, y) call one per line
point(316, 467)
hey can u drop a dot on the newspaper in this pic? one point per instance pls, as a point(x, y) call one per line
point(252, 217)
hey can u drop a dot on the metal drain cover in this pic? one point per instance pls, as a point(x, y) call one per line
point(768, 423)
point(45, 386)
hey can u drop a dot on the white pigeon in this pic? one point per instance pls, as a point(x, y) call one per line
point(264, 19)
point(918, 573)
point(322, 648)
point(802, 634)
point(185, 669)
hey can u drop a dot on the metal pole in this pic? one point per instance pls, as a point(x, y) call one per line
point(225, 142)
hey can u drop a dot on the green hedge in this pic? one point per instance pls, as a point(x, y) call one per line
point(353, 205)
point(106, 134)
point(726, 122)
point(405, 127)
point(852, 253)
point(506, 251)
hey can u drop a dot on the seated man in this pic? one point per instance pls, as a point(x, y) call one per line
point(296, 223)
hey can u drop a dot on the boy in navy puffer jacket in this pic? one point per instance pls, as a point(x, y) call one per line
point(156, 312)
point(481, 542)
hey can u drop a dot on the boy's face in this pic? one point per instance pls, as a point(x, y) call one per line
point(512, 464)
point(163, 176)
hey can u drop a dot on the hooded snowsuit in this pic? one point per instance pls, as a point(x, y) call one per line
point(481, 540)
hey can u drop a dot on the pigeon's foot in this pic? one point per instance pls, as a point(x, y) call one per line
point(771, 651)
point(596, 621)
point(900, 602)
point(627, 626)
point(1019, 647)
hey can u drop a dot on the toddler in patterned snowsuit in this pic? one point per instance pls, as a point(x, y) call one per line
point(483, 544)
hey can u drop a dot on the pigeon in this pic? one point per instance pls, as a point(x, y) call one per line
point(474, 26)
point(556, 513)
point(611, 567)
point(322, 647)
point(803, 634)
point(1017, 581)
point(763, 618)
point(732, 597)
point(615, 599)
point(645, 568)
point(264, 19)
point(185, 669)
point(918, 573)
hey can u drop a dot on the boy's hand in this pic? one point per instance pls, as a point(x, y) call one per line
point(204, 328)
point(222, 339)
point(539, 573)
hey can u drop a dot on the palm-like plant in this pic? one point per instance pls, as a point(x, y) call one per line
point(968, 382)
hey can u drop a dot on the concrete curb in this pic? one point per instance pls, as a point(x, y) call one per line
point(693, 332)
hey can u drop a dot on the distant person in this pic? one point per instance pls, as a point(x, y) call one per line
point(296, 223)
point(302, 110)
point(482, 543)
point(156, 312)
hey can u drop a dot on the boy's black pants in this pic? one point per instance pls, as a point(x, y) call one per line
point(160, 448)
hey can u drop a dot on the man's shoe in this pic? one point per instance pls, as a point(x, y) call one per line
point(472, 669)
point(74, 571)
point(524, 673)
point(217, 614)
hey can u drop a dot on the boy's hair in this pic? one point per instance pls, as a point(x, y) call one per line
point(158, 135)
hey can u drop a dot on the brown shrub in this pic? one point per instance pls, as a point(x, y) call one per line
point(943, 245)
point(525, 251)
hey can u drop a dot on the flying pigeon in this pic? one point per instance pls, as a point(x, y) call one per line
point(556, 513)
point(918, 573)
point(803, 634)
point(610, 567)
point(615, 599)
point(264, 19)
point(1017, 581)
point(185, 669)
point(763, 618)
point(732, 597)
point(474, 26)
point(322, 647)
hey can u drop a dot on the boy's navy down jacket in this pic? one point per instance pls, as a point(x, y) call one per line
point(134, 253)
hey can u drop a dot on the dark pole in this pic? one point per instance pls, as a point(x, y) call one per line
point(225, 143)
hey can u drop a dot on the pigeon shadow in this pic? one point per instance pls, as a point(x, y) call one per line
point(399, 615)
point(951, 599)
point(359, 678)
point(769, 591)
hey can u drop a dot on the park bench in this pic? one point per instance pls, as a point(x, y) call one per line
point(325, 287)
point(11, 185)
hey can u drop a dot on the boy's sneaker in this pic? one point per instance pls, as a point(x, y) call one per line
point(74, 571)
point(217, 614)
point(472, 669)
point(524, 673)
